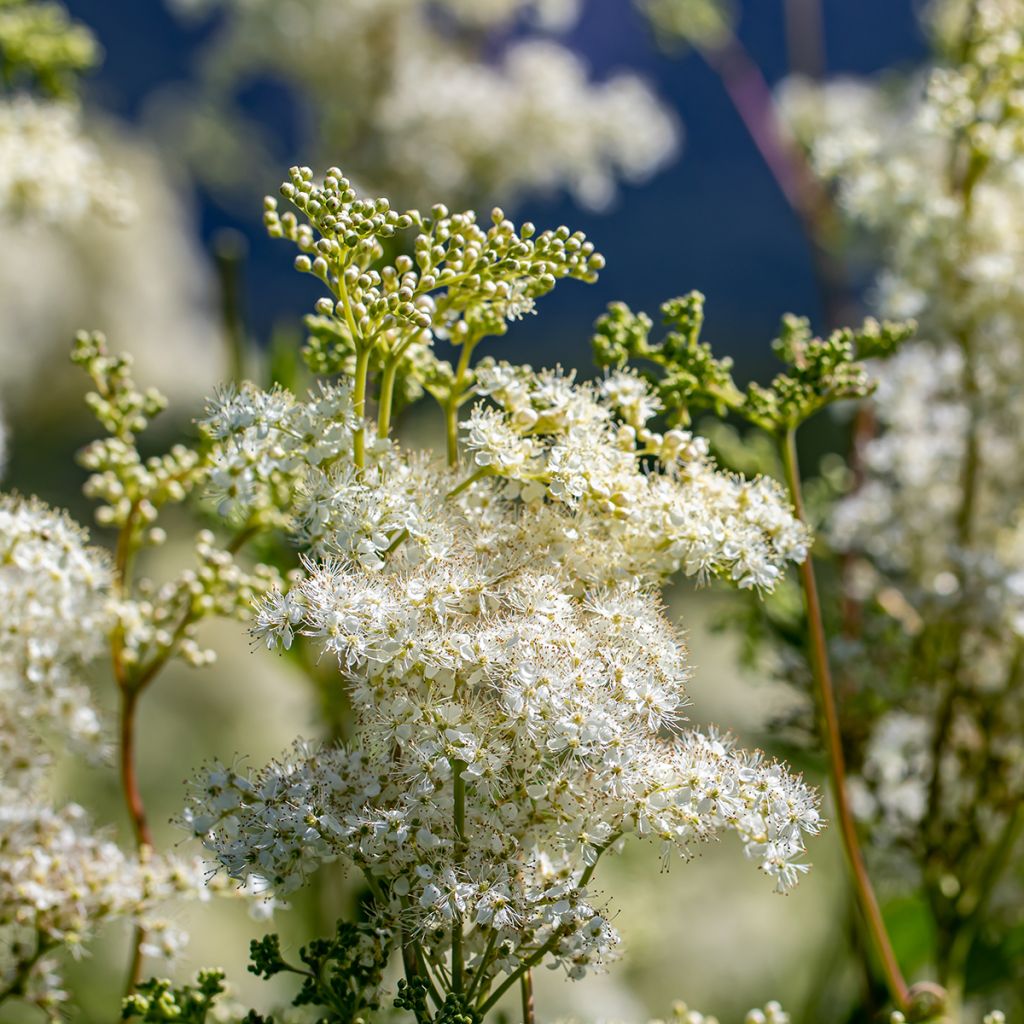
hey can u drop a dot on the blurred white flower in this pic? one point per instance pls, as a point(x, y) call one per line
point(412, 95)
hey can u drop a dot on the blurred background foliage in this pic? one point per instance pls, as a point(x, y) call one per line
point(713, 218)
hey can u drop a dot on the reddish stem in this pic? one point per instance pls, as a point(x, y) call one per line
point(129, 778)
point(137, 813)
point(822, 672)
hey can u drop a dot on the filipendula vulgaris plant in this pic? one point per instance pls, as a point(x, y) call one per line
point(928, 603)
point(686, 377)
point(495, 617)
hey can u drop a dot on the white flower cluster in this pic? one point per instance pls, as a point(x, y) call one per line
point(583, 446)
point(59, 880)
point(53, 589)
point(518, 693)
point(892, 791)
point(266, 441)
point(421, 111)
point(49, 169)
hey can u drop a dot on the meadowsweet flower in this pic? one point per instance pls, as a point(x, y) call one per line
point(50, 170)
point(59, 879)
point(520, 675)
point(54, 587)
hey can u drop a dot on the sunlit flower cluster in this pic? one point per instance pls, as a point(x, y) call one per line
point(518, 693)
point(60, 881)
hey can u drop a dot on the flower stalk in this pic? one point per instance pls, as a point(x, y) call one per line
point(832, 735)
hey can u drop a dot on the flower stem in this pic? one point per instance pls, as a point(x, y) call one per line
point(129, 777)
point(455, 400)
point(23, 967)
point(359, 405)
point(818, 657)
point(387, 398)
point(459, 787)
point(229, 251)
point(531, 961)
point(526, 987)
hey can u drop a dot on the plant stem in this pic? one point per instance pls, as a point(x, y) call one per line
point(413, 963)
point(129, 696)
point(477, 983)
point(137, 813)
point(129, 777)
point(23, 969)
point(538, 955)
point(359, 405)
point(459, 787)
point(451, 424)
point(455, 400)
point(386, 398)
point(818, 657)
point(229, 251)
point(531, 961)
point(526, 987)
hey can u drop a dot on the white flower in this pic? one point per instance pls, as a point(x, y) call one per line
point(524, 673)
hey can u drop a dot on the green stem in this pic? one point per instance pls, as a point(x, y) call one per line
point(451, 424)
point(819, 663)
point(535, 958)
point(459, 788)
point(456, 398)
point(414, 964)
point(359, 405)
point(386, 398)
point(538, 955)
point(23, 969)
point(378, 892)
point(477, 983)
point(229, 250)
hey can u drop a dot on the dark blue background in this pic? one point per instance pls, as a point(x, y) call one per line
point(714, 220)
